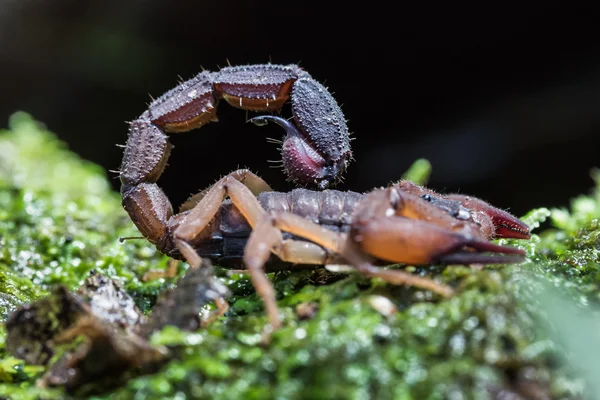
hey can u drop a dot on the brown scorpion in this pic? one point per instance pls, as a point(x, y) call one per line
point(403, 223)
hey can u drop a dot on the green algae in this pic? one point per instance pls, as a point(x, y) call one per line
point(501, 333)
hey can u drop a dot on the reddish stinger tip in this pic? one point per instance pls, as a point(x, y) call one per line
point(302, 162)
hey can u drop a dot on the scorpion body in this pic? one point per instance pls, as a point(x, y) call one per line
point(224, 240)
point(403, 223)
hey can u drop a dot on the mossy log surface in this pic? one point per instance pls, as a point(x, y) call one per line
point(528, 330)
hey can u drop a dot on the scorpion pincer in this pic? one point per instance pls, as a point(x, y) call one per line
point(240, 220)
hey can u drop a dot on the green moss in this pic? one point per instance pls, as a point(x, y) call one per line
point(418, 172)
point(59, 219)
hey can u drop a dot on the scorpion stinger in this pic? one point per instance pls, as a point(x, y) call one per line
point(299, 157)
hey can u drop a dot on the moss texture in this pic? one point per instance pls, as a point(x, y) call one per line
point(528, 330)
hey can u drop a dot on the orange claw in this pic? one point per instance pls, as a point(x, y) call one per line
point(410, 241)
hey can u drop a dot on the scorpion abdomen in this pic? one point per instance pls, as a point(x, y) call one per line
point(331, 209)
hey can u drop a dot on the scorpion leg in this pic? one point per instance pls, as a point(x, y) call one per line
point(252, 181)
point(338, 243)
point(232, 185)
point(258, 250)
point(266, 238)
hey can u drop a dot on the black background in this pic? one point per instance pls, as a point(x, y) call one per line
point(504, 101)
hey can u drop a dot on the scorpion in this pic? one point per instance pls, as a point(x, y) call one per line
point(240, 220)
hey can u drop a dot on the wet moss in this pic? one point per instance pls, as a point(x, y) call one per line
point(500, 334)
